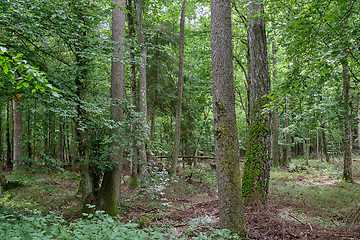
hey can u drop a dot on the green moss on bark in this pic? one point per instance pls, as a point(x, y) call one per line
point(257, 165)
point(107, 197)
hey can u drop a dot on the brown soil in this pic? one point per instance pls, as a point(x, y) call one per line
point(275, 222)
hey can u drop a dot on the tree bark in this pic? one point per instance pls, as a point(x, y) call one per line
point(347, 173)
point(61, 141)
point(142, 81)
point(17, 142)
point(324, 143)
point(2, 175)
point(257, 165)
point(180, 90)
point(231, 212)
point(110, 192)
point(275, 117)
point(134, 150)
point(28, 144)
point(8, 139)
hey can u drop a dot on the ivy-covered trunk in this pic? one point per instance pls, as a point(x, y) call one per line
point(257, 165)
point(347, 174)
point(231, 212)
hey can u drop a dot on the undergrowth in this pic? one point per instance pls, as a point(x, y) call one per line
point(316, 192)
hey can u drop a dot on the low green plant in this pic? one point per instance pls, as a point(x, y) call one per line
point(33, 225)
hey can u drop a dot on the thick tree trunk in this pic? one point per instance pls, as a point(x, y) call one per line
point(257, 165)
point(231, 212)
point(17, 142)
point(142, 81)
point(347, 174)
point(110, 192)
point(275, 117)
point(180, 90)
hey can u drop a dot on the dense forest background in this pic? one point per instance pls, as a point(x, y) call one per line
point(114, 103)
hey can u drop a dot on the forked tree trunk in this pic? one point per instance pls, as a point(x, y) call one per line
point(142, 81)
point(231, 211)
point(347, 174)
point(110, 193)
point(180, 90)
point(257, 165)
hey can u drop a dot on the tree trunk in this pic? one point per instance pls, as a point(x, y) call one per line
point(134, 150)
point(2, 176)
point(142, 81)
point(8, 139)
point(286, 148)
point(110, 193)
point(257, 165)
point(28, 144)
point(61, 141)
point(180, 90)
point(1, 139)
point(17, 142)
point(347, 174)
point(324, 145)
point(275, 116)
point(358, 128)
point(318, 155)
point(155, 103)
point(231, 212)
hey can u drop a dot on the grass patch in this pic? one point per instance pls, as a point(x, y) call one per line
point(317, 193)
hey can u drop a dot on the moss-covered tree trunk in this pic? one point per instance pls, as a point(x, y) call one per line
point(225, 130)
point(179, 91)
point(110, 192)
point(347, 173)
point(257, 165)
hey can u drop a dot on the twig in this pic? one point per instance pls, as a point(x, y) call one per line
point(301, 221)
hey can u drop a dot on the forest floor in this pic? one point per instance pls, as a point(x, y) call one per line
point(306, 201)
